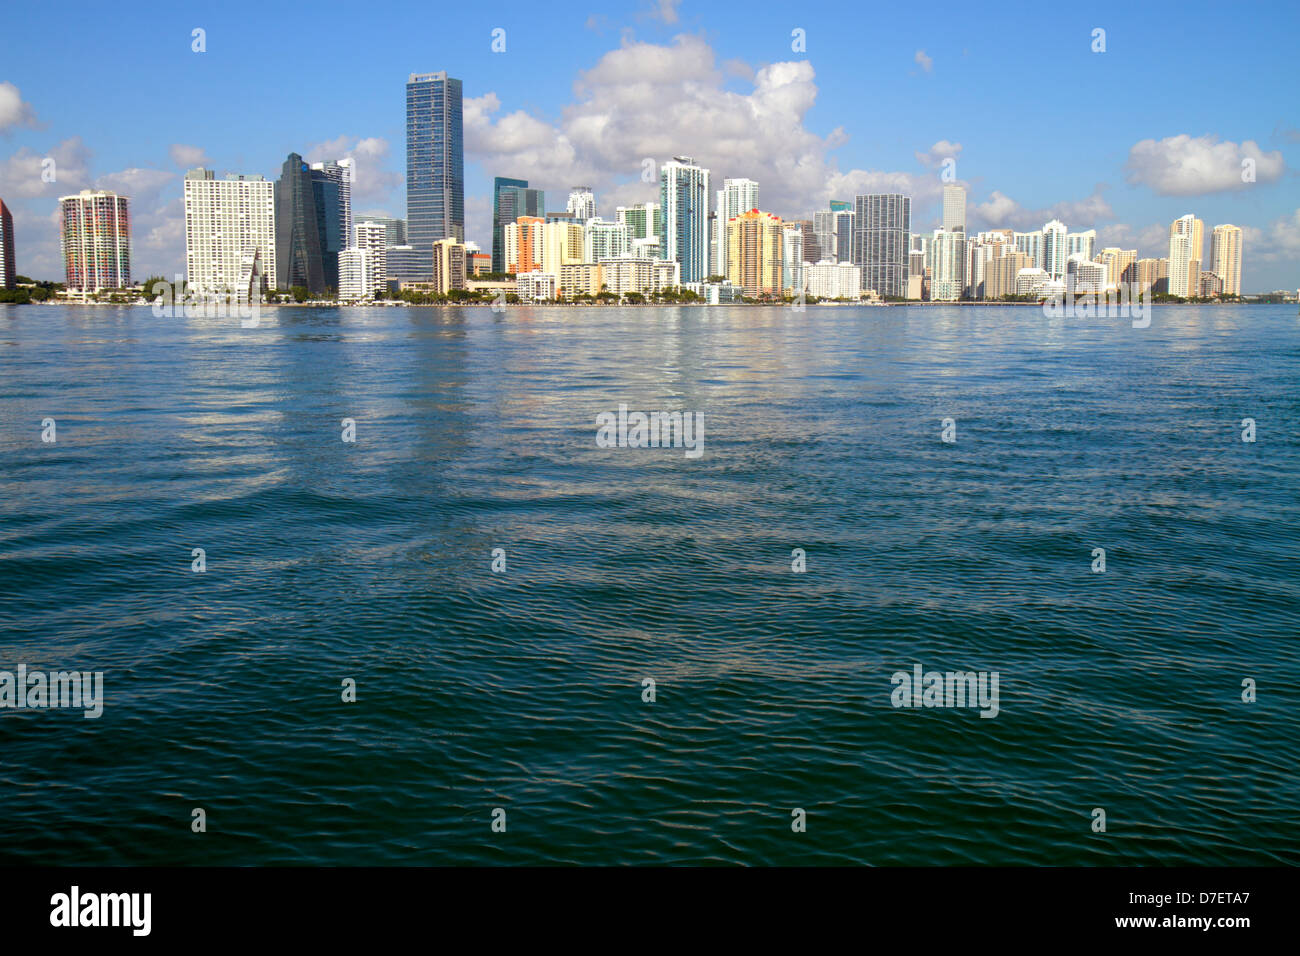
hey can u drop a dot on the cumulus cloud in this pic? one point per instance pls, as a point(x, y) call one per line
point(937, 153)
point(1279, 242)
point(924, 62)
point(1000, 211)
point(620, 119)
point(188, 157)
point(22, 175)
point(14, 112)
point(1187, 166)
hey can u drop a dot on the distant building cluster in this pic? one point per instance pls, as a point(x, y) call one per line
point(249, 235)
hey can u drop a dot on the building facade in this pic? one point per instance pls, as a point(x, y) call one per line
point(754, 254)
point(8, 265)
point(224, 219)
point(1225, 257)
point(884, 226)
point(435, 160)
point(684, 198)
point(95, 229)
point(511, 198)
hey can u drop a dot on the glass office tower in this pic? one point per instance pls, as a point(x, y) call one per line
point(435, 161)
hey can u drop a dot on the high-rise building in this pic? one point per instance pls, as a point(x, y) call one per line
point(1000, 274)
point(1054, 249)
point(684, 198)
point(435, 160)
point(582, 203)
point(1083, 276)
point(225, 219)
point(1031, 244)
point(884, 226)
point(448, 265)
point(948, 261)
point(754, 249)
point(394, 229)
point(405, 263)
point(298, 253)
point(1120, 265)
point(954, 208)
point(792, 257)
point(808, 240)
point(373, 238)
point(95, 228)
point(522, 244)
point(1225, 257)
point(331, 184)
point(1081, 244)
point(1152, 276)
point(736, 197)
point(845, 229)
point(602, 239)
point(511, 198)
point(8, 268)
point(562, 244)
point(1186, 242)
point(824, 231)
point(644, 221)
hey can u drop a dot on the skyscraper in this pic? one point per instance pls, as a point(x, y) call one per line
point(1225, 256)
point(1081, 244)
point(824, 230)
point(1186, 242)
point(644, 221)
point(372, 238)
point(96, 238)
point(684, 197)
point(582, 203)
point(8, 269)
point(948, 255)
point(792, 278)
point(954, 208)
point(754, 253)
point(1054, 249)
point(435, 161)
point(228, 221)
point(845, 229)
point(884, 226)
point(736, 196)
point(298, 252)
point(332, 192)
point(511, 198)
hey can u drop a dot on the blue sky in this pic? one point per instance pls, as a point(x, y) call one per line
point(1123, 140)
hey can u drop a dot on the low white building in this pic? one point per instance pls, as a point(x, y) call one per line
point(535, 286)
point(833, 280)
point(356, 275)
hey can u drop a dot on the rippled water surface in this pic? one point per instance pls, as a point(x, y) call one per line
point(522, 690)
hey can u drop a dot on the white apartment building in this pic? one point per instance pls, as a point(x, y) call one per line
point(356, 275)
point(1225, 257)
point(833, 280)
point(602, 239)
point(373, 237)
point(1186, 241)
point(536, 286)
point(224, 220)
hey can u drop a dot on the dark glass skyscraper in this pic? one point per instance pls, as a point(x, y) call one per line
point(511, 198)
point(884, 226)
point(7, 271)
point(298, 259)
point(435, 161)
point(329, 224)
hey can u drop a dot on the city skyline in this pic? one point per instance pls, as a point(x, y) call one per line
point(1160, 168)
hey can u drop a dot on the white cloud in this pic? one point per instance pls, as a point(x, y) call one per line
point(937, 153)
point(1000, 211)
point(924, 62)
point(188, 157)
point(1187, 166)
point(21, 175)
point(14, 111)
point(619, 118)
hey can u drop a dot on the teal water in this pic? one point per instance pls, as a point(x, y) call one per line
point(522, 690)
